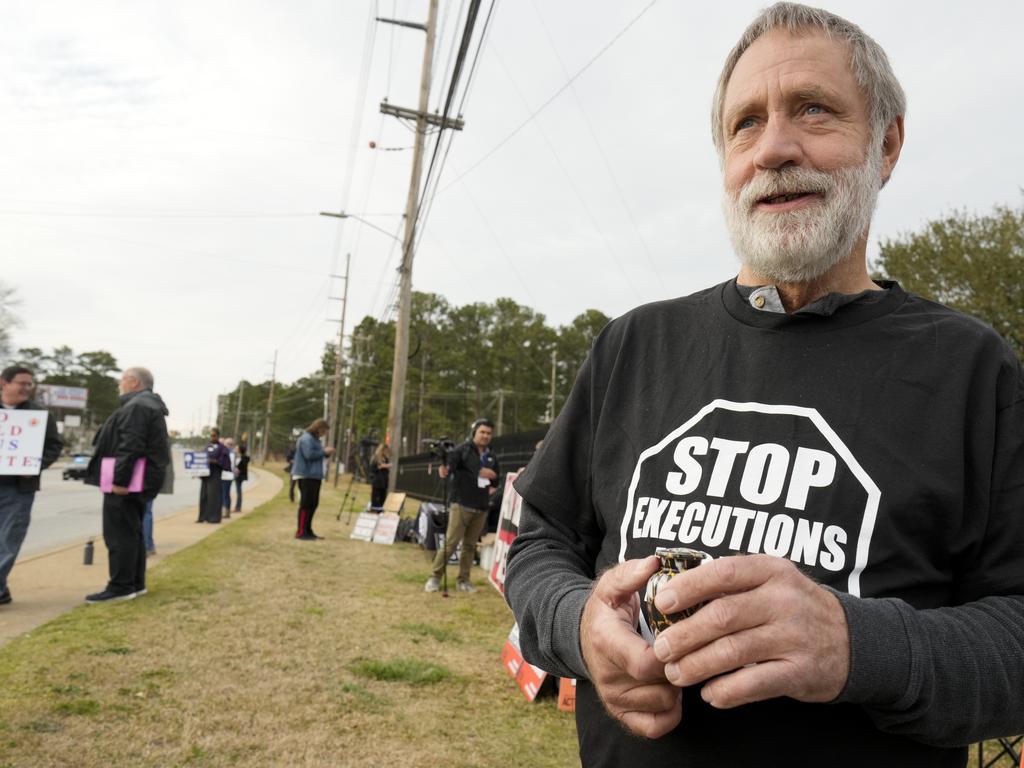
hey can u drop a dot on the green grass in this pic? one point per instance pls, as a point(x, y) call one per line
point(440, 634)
point(252, 649)
point(411, 671)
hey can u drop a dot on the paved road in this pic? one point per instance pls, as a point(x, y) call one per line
point(66, 511)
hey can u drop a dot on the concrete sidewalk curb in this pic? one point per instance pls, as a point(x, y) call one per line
point(46, 584)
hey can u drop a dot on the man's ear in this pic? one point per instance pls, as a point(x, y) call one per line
point(892, 144)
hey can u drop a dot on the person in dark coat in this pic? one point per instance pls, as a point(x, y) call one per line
point(136, 431)
point(17, 492)
point(218, 459)
point(289, 458)
point(380, 471)
point(241, 475)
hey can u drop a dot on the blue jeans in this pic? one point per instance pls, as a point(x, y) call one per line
point(15, 513)
point(147, 527)
point(225, 494)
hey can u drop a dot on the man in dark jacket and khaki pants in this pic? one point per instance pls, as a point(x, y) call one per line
point(136, 430)
point(17, 492)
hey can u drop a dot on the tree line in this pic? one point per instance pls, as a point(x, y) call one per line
point(500, 359)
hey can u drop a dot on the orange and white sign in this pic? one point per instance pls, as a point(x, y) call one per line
point(529, 678)
point(567, 694)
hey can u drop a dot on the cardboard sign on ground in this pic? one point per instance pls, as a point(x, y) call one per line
point(387, 527)
point(364, 527)
point(394, 503)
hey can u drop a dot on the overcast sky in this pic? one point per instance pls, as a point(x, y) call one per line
point(162, 164)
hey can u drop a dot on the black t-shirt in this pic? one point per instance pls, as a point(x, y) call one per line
point(881, 448)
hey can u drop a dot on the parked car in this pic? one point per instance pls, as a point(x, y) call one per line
point(76, 468)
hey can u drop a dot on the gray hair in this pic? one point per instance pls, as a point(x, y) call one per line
point(868, 63)
point(142, 374)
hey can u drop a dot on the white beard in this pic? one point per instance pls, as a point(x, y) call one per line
point(802, 245)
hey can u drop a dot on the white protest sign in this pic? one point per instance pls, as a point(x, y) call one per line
point(196, 464)
point(387, 527)
point(21, 441)
point(365, 525)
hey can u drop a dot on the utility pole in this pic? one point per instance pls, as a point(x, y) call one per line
point(334, 419)
point(270, 410)
point(423, 118)
point(238, 410)
point(554, 371)
point(419, 410)
point(501, 413)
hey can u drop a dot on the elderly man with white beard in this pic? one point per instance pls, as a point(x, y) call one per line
point(847, 457)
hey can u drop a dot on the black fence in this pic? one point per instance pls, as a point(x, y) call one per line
point(417, 475)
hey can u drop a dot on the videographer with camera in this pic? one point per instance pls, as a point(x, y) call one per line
point(474, 471)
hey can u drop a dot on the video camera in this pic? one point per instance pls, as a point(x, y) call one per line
point(439, 448)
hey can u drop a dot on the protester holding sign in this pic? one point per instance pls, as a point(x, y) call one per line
point(218, 459)
point(18, 491)
point(135, 438)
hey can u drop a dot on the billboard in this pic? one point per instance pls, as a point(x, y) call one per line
point(54, 396)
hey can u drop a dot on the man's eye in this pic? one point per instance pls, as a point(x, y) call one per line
point(815, 109)
point(747, 122)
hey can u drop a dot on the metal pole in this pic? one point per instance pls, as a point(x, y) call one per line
point(334, 420)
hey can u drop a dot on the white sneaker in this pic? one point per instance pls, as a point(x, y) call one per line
point(433, 585)
point(465, 586)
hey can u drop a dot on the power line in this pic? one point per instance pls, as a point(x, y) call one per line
point(189, 251)
point(600, 149)
point(428, 195)
point(594, 223)
point(451, 49)
point(167, 215)
point(553, 96)
point(467, 33)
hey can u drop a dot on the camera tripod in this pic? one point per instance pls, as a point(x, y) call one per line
point(348, 491)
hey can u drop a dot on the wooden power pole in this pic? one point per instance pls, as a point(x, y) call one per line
point(270, 410)
point(423, 119)
point(238, 411)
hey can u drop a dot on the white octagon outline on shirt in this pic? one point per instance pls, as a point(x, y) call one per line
point(874, 494)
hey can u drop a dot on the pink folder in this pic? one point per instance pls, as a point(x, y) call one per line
point(107, 475)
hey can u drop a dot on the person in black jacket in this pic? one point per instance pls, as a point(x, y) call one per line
point(380, 473)
point(241, 474)
point(474, 471)
point(136, 430)
point(17, 492)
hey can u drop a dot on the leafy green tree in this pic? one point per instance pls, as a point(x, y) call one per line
point(481, 359)
point(972, 263)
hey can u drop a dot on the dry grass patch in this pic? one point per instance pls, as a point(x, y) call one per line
point(254, 649)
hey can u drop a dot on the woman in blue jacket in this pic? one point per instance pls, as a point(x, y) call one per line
point(308, 469)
